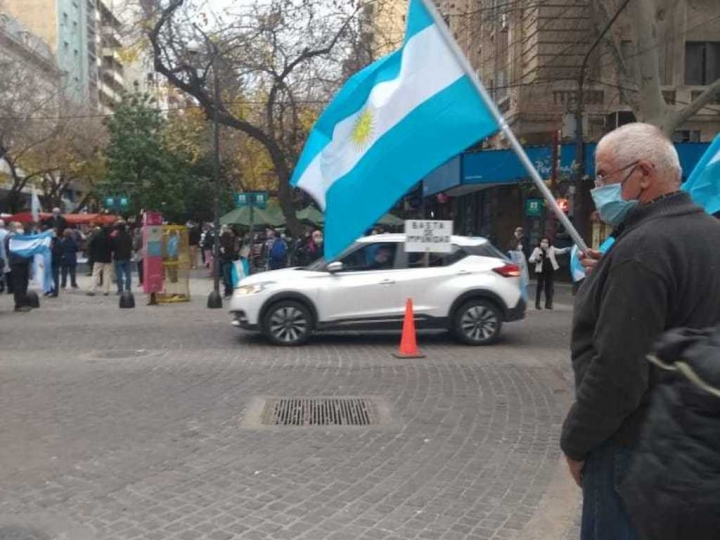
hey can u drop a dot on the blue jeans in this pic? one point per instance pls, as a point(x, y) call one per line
point(123, 268)
point(604, 516)
point(226, 269)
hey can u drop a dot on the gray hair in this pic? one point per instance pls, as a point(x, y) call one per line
point(632, 142)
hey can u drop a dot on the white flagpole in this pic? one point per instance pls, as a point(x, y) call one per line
point(497, 115)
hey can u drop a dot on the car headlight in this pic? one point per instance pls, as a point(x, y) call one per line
point(246, 290)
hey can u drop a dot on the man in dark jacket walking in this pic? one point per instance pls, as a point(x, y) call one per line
point(661, 273)
point(100, 250)
point(20, 268)
point(122, 248)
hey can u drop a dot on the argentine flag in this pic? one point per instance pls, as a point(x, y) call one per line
point(704, 182)
point(389, 126)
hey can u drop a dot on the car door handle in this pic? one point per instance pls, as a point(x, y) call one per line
point(387, 282)
point(464, 272)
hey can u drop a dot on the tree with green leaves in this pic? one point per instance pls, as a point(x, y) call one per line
point(139, 165)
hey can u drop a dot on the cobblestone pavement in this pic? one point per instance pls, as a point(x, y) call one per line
point(127, 424)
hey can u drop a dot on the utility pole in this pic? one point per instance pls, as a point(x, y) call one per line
point(579, 113)
point(214, 299)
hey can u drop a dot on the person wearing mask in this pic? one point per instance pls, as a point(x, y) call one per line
point(100, 251)
point(20, 268)
point(69, 248)
point(544, 257)
point(4, 262)
point(660, 274)
point(228, 256)
point(313, 249)
point(122, 249)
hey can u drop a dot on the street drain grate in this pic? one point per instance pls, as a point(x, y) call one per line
point(301, 411)
point(22, 533)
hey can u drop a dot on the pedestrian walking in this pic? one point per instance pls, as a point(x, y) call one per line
point(311, 249)
point(139, 253)
point(100, 250)
point(544, 259)
point(228, 255)
point(20, 268)
point(69, 247)
point(275, 252)
point(122, 250)
point(194, 243)
point(4, 261)
point(208, 242)
point(55, 263)
point(661, 273)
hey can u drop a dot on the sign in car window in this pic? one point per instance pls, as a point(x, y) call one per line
point(428, 236)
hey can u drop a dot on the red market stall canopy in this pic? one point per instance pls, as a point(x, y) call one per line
point(72, 219)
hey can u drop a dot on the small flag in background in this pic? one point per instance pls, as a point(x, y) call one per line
point(704, 182)
point(389, 126)
point(35, 207)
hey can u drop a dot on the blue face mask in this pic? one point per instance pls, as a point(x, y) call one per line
point(611, 206)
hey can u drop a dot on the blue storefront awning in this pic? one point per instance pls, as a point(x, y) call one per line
point(498, 167)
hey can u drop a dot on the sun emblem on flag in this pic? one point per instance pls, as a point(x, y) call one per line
point(363, 130)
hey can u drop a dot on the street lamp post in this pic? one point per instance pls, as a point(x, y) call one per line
point(214, 299)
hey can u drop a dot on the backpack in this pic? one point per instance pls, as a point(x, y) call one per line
point(278, 251)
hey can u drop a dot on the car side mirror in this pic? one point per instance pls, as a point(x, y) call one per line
point(335, 267)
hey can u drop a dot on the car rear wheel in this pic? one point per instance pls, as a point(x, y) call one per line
point(477, 322)
point(287, 323)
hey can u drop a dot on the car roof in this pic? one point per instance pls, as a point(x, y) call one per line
point(400, 238)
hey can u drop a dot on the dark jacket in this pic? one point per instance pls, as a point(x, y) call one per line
point(194, 236)
point(68, 250)
point(228, 247)
point(122, 246)
point(57, 222)
point(100, 248)
point(672, 490)
point(663, 272)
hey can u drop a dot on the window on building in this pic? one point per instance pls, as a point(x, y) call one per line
point(65, 19)
point(702, 62)
point(686, 135)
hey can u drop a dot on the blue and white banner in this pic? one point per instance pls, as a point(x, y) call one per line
point(389, 126)
point(37, 248)
point(704, 182)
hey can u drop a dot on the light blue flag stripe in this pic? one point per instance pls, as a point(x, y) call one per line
point(703, 185)
point(390, 125)
point(440, 128)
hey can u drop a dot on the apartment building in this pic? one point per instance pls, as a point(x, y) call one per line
point(67, 26)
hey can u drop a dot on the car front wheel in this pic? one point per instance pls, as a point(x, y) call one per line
point(287, 323)
point(477, 322)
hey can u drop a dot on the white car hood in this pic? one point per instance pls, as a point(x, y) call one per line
point(278, 276)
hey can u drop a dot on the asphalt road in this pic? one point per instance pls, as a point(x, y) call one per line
point(138, 424)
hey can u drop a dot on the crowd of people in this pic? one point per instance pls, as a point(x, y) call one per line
point(260, 251)
point(111, 252)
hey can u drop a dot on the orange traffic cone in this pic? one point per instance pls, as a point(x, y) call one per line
point(408, 343)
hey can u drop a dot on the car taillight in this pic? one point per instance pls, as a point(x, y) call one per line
point(508, 270)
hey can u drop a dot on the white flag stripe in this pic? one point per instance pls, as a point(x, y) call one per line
point(715, 158)
point(427, 68)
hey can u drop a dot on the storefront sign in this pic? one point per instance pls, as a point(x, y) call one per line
point(534, 207)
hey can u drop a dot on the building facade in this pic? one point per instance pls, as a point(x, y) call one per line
point(67, 26)
point(529, 56)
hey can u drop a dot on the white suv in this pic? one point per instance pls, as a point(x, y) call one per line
point(470, 291)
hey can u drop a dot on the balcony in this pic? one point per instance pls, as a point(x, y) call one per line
point(114, 79)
